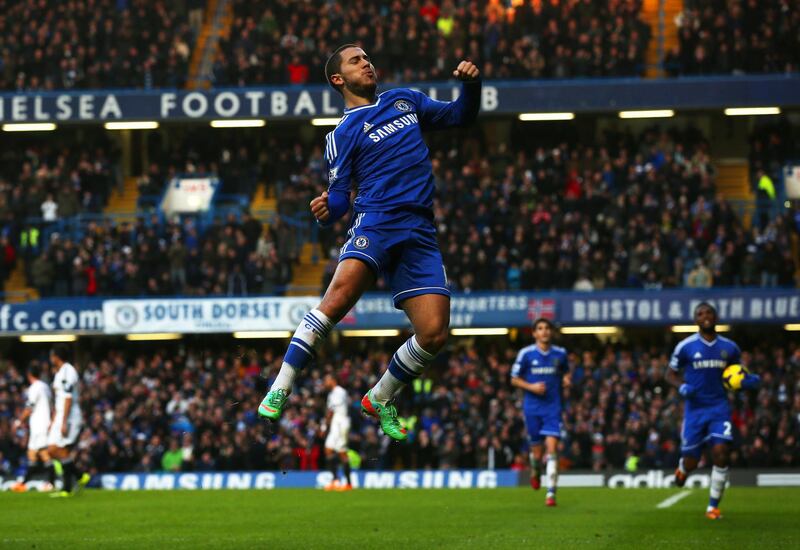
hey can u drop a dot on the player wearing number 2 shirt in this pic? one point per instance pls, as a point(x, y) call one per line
point(701, 358)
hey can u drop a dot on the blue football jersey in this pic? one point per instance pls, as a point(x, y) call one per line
point(380, 148)
point(702, 363)
point(534, 365)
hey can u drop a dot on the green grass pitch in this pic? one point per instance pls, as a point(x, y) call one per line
point(488, 519)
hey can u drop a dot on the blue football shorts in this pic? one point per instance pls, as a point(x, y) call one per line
point(705, 425)
point(401, 247)
point(542, 425)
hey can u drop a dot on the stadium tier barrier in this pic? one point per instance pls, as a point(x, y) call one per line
point(478, 309)
point(418, 479)
point(499, 97)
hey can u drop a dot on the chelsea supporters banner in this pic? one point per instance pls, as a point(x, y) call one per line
point(219, 315)
point(375, 310)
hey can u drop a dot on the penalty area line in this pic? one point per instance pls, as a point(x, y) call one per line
point(666, 503)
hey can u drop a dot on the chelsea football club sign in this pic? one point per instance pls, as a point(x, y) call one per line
point(174, 105)
point(497, 97)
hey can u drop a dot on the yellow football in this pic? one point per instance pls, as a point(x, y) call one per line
point(732, 377)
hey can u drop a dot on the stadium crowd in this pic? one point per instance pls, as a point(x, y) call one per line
point(287, 43)
point(736, 37)
point(42, 182)
point(142, 44)
point(193, 409)
point(95, 44)
point(626, 212)
point(632, 212)
point(154, 257)
point(45, 184)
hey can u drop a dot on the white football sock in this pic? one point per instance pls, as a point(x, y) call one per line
point(552, 473)
point(719, 478)
point(407, 364)
point(307, 339)
point(285, 378)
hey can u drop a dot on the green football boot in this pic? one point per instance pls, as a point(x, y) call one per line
point(386, 415)
point(83, 481)
point(272, 405)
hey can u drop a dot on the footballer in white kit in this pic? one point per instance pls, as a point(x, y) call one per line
point(67, 422)
point(37, 413)
point(38, 402)
point(338, 430)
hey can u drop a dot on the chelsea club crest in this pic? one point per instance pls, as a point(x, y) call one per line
point(402, 105)
point(361, 242)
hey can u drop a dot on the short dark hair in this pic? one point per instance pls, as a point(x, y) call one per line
point(61, 351)
point(705, 304)
point(35, 369)
point(544, 320)
point(334, 64)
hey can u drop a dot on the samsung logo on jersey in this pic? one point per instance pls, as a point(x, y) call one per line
point(393, 126)
point(544, 370)
point(710, 364)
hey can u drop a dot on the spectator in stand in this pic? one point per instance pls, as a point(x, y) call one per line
point(700, 276)
point(49, 209)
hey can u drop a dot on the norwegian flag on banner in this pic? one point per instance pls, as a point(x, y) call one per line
point(544, 308)
point(349, 318)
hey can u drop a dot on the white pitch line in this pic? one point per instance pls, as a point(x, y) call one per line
point(666, 503)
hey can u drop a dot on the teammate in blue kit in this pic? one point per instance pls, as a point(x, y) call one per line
point(541, 371)
point(378, 148)
point(702, 358)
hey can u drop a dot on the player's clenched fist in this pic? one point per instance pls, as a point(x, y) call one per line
point(319, 207)
point(466, 70)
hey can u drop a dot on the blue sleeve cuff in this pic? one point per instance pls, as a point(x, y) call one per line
point(338, 205)
point(471, 92)
point(751, 381)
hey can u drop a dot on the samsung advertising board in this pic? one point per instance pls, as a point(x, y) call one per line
point(418, 479)
point(409, 479)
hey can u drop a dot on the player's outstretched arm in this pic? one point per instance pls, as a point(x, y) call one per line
point(438, 115)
